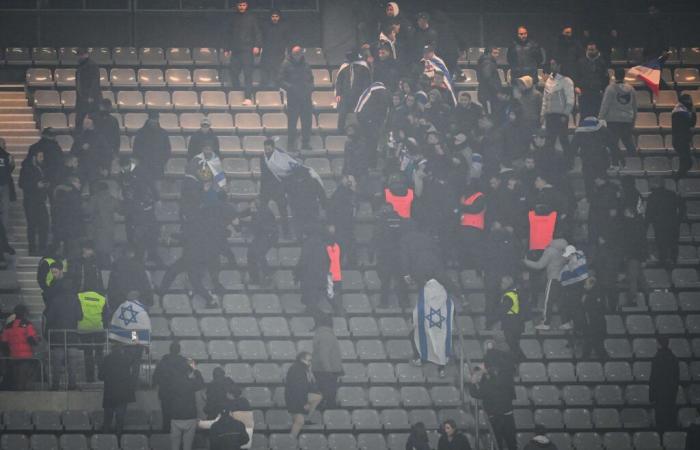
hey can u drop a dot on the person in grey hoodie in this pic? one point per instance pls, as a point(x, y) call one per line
point(557, 104)
point(530, 100)
point(540, 441)
point(553, 261)
point(619, 111)
point(326, 363)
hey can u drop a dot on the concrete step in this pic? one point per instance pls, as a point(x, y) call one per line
point(13, 124)
point(16, 117)
point(12, 106)
point(30, 130)
point(13, 95)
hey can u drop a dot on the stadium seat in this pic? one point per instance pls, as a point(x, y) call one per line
point(322, 78)
point(543, 395)
point(561, 372)
point(39, 77)
point(445, 396)
point(533, 373)
point(64, 77)
point(68, 100)
point(635, 418)
point(123, 77)
point(577, 419)
point(394, 419)
point(371, 350)
point(158, 100)
point(206, 78)
point(686, 77)
point(130, 101)
point(14, 442)
point(178, 78)
point(151, 78)
point(353, 397)
point(20, 56)
point(179, 56)
point(204, 56)
point(548, 418)
point(47, 421)
point(104, 442)
point(44, 99)
point(222, 122)
point(577, 396)
point(45, 56)
point(269, 100)
point(248, 123)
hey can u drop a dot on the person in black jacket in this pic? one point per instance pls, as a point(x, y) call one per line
point(306, 198)
point(300, 392)
point(63, 312)
point(204, 137)
point(7, 184)
point(496, 390)
point(567, 51)
point(298, 81)
point(84, 273)
point(525, 56)
point(387, 248)
point(163, 377)
point(34, 183)
point(591, 78)
point(152, 147)
point(664, 213)
point(353, 77)
point(67, 215)
point(683, 120)
point(451, 438)
point(385, 69)
point(217, 392)
point(341, 214)
point(634, 250)
point(664, 380)
point(692, 438)
point(227, 433)
point(371, 111)
point(593, 326)
point(312, 269)
point(271, 187)
point(183, 414)
point(418, 438)
point(87, 87)
point(489, 79)
point(119, 388)
point(265, 235)
point(107, 126)
point(93, 153)
point(275, 35)
point(423, 35)
point(53, 155)
point(244, 42)
point(128, 274)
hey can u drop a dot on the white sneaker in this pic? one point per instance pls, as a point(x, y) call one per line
point(417, 362)
point(566, 326)
point(247, 102)
point(543, 327)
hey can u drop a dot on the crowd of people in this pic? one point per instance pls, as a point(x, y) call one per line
point(479, 184)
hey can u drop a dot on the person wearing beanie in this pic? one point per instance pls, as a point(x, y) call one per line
point(540, 441)
point(529, 98)
point(683, 120)
point(619, 111)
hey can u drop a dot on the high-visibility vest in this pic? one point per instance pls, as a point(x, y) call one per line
point(49, 275)
point(402, 205)
point(334, 256)
point(515, 307)
point(541, 229)
point(473, 220)
point(92, 304)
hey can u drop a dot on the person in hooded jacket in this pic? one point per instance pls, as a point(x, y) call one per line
point(489, 79)
point(525, 56)
point(418, 437)
point(152, 147)
point(540, 441)
point(683, 120)
point(593, 324)
point(298, 82)
point(306, 198)
point(217, 392)
point(495, 388)
point(265, 235)
point(526, 95)
point(552, 260)
point(301, 393)
point(183, 420)
point(385, 69)
point(341, 214)
point(275, 36)
point(353, 77)
point(119, 388)
point(84, 273)
point(386, 247)
point(619, 111)
point(35, 184)
point(20, 337)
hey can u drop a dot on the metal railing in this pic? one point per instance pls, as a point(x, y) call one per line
point(146, 5)
point(38, 360)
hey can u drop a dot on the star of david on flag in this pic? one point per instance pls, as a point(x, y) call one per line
point(432, 319)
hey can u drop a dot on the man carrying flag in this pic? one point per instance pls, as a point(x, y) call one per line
point(432, 65)
point(649, 73)
point(432, 321)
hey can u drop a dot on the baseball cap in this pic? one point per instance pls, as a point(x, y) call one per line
point(568, 251)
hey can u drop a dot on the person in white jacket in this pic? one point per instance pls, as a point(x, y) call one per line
point(558, 102)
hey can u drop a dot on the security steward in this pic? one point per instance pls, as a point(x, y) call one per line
point(472, 213)
point(510, 317)
point(92, 336)
point(399, 195)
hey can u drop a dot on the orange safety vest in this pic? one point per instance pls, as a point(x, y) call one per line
point(541, 229)
point(473, 220)
point(402, 205)
point(334, 256)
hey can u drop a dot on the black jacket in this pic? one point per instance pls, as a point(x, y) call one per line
point(244, 33)
point(227, 433)
point(183, 402)
point(275, 38)
point(312, 268)
point(129, 275)
point(201, 139)
point(567, 51)
point(387, 235)
point(387, 72)
point(459, 442)
point(7, 166)
point(63, 311)
point(487, 75)
point(341, 208)
point(591, 75)
point(119, 385)
point(87, 84)
point(152, 148)
point(497, 393)
point(297, 386)
point(30, 175)
point(525, 58)
point(420, 257)
point(297, 79)
point(664, 209)
point(664, 378)
point(67, 213)
point(53, 157)
point(634, 238)
point(594, 309)
point(85, 275)
point(682, 123)
point(166, 370)
point(216, 397)
point(351, 81)
point(92, 151)
point(108, 127)
point(264, 225)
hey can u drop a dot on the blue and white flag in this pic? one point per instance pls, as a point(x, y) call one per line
point(432, 319)
point(364, 98)
point(436, 64)
point(130, 324)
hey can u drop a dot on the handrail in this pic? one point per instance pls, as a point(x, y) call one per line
point(33, 358)
point(463, 396)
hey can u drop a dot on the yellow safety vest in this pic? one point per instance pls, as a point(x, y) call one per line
point(92, 304)
point(515, 308)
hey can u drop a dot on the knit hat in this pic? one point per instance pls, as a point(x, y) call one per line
point(395, 7)
point(568, 251)
point(525, 82)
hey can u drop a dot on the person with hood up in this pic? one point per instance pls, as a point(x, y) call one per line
point(243, 45)
point(525, 56)
point(152, 147)
point(619, 111)
point(306, 197)
point(424, 34)
point(385, 69)
point(568, 50)
point(418, 437)
point(553, 261)
point(591, 79)
point(34, 182)
point(489, 79)
point(275, 36)
point(326, 363)
point(529, 98)
point(298, 82)
point(558, 102)
point(353, 77)
point(683, 120)
point(540, 441)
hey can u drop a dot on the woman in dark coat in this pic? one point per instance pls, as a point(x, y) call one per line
point(119, 387)
point(451, 439)
point(418, 438)
point(300, 391)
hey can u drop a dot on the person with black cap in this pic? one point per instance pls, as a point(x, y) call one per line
point(152, 147)
point(275, 36)
point(353, 77)
point(53, 155)
point(204, 137)
point(33, 181)
point(683, 120)
point(297, 80)
point(87, 87)
point(243, 45)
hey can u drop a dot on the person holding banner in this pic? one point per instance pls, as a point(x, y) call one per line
point(432, 320)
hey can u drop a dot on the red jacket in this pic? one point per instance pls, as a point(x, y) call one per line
point(17, 336)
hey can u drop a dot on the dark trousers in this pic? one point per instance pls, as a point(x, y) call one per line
point(143, 234)
point(589, 103)
point(165, 410)
point(666, 238)
point(37, 224)
point(388, 273)
point(571, 306)
point(82, 109)
point(243, 60)
point(685, 158)
point(195, 273)
point(327, 383)
point(504, 431)
point(635, 279)
point(257, 258)
point(513, 328)
point(23, 371)
point(92, 352)
point(276, 194)
point(311, 295)
point(557, 127)
point(665, 415)
point(552, 293)
point(345, 107)
point(115, 414)
point(298, 110)
point(594, 342)
point(621, 131)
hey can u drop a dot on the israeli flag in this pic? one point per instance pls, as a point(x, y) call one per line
point(364, 98)
point(436, 64)
point(130, 324)
point(432, 319)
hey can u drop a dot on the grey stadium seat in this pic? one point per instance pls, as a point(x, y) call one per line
point(179, 56)
point(104, 442)
point(185, 101)
point(416, 397)
point(206, 78)
point(43, 442)
point(17, 421)
point(353, 397)
point(14, 442)
point(158, 100)
point(178, 78)
point(130, 100)
point(205, 56)
point(76, 420)
point(36, 77)
point(214, 100)
point(46, 421)
point(366, 420)
point(123, 77)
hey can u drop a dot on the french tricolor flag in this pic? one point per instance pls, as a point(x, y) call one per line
point(650, 73)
